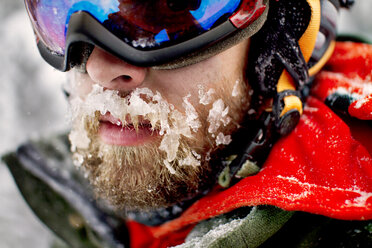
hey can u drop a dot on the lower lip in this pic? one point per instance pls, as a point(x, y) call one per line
point(125, 136)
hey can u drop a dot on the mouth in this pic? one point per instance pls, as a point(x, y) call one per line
point(113, 131)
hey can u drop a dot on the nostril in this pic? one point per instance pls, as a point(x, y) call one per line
point(112, 72)
point(126, 78)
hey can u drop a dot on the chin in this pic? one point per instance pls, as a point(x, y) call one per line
point(135, 178)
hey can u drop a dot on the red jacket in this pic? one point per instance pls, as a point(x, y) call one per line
point(323, 167)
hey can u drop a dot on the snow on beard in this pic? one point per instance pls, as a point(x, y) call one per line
point(181, 165)
point(146, 176)
point(147, 105)
point(141, 103)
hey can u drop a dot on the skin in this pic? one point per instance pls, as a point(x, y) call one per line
point(112, 73)
point(148, 184)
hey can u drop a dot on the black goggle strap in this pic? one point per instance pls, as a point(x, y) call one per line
point(278, 71)
point(281, 50)
point(327, 33)
point(302, 74)
point(281, 69)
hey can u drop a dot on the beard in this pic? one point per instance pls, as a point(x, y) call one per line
point(170, 168)
point(135, 178)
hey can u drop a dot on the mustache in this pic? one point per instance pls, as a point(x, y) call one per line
point(130, 122)
point(141, 107)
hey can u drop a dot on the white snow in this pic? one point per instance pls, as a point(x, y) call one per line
point(222, 139)
point(144, 103)
point(220, 229)
point(169, 167)
point(217, 116)
point(357, 201)
point(235, 91)
point(192, 117)
point(205, 98)
point(192, 159)
point(361, 102)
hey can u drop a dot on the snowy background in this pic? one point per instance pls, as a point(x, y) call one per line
point(31, 103)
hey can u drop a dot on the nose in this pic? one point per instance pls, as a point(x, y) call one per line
point(113, 73)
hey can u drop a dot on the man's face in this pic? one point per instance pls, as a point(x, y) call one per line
point(145, 136)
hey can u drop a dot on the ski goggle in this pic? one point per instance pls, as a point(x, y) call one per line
point(141, 32)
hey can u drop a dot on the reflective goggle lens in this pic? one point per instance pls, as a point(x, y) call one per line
point(143, 24)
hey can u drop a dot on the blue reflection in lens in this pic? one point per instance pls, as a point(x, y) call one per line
point(162, 36)
point(211, 10)
point(95, 8)
point(55, 16)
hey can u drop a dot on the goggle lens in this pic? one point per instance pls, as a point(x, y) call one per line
point(143, 24)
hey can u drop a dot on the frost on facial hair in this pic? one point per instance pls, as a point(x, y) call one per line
point(169, 167)
point(144, 103)
point(222, 139)
point(218, 113)
point(205, 98)
point(192, 158)
point(78, 136)
point(217, 116)
point(235, 91)
point(191, 114)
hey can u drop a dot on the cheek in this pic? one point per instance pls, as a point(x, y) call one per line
point(177, 86)
point(80, 84)
point(178, 83)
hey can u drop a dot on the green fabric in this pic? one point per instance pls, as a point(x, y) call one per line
point(306, 230)
point(238, 230)
point(47, 204)
point(268, 227)
point(60, 196)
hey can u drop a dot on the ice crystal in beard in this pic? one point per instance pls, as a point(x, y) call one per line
point(235, 91)
point(205, 98)
point(191, 114)
point(136, 178)
point(222, 139)
point(141, 103)
point(218, 115)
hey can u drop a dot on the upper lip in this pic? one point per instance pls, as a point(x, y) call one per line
point(128, 122)
point(110, 118)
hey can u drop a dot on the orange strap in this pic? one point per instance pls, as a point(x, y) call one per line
point(307, 44)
